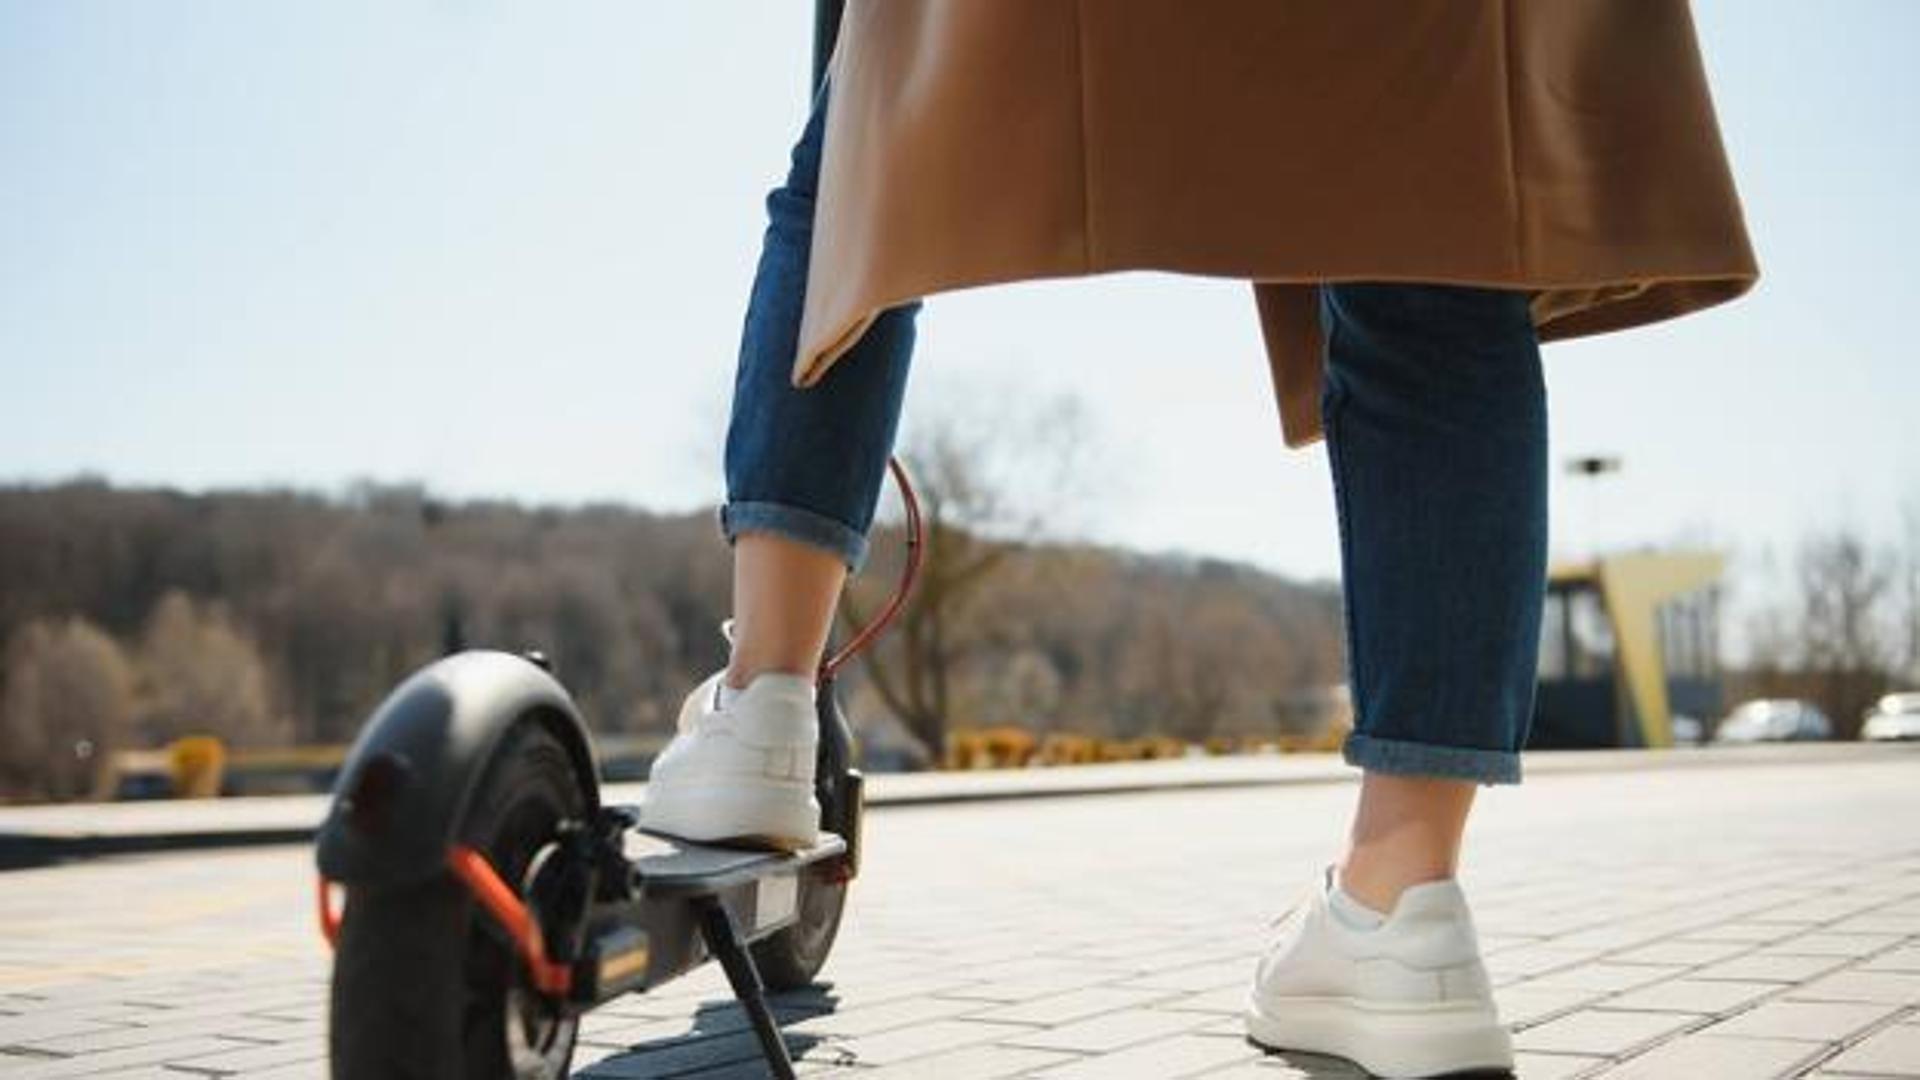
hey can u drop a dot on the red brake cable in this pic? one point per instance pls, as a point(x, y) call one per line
point(915, 537)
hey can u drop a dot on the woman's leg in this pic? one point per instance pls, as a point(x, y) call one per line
point(803, 467)
point(1435, 414)
point(803, 472)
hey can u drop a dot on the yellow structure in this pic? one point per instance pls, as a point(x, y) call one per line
point(1633, 588)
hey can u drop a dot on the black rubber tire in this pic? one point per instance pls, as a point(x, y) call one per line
point(790, 957)
point(421, 977)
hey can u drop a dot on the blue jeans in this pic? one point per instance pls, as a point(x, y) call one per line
point(807, 464)
point(1435, 417)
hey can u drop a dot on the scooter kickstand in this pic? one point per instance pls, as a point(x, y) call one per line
point(723, 941)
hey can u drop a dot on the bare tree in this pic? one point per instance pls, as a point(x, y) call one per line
point(67, 706)
point(991, 479)
point(1200, 653)
point(203, 676)
point(1909, 595)
point(1215, 648)
point(1844, 641)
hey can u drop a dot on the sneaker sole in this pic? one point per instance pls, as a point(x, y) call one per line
point(1404, 1042)
point(760, 814)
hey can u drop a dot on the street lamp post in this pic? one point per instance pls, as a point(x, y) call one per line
point(1591, 467)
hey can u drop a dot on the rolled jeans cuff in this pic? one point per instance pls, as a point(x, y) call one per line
point(797, 524)
point(1400, 758)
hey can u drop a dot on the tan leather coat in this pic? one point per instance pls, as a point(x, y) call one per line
point(1563, 147)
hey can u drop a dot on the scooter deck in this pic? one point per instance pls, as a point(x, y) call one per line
point(666, 865)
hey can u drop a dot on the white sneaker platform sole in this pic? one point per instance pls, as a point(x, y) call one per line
point(1402, 1042)
point(781, 815)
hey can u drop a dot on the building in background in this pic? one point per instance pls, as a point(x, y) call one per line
point(1629, 643)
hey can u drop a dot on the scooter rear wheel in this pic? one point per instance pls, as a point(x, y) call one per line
point(789, 958)
point(425, 986)
point(792, 956)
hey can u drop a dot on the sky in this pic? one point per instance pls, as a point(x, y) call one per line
point(503, 250)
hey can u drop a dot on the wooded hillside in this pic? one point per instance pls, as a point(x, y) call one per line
point(132, 616)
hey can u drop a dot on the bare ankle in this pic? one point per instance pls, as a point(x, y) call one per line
point(784, 594)
point(1407, 831)
point(740, 673)
point(1378, 883)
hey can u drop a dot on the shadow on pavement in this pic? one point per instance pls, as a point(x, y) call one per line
point(719, 1045)
point(1321, 1067)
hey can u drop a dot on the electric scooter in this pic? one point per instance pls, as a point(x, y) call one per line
point(491, 899)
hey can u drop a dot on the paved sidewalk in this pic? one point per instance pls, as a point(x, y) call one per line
point(31, 835)
point(1756, 921)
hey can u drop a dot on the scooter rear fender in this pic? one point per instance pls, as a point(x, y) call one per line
point(410, 776)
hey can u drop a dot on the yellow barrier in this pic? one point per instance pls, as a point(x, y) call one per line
point(202, 767)
point(198, 763)
point(1011, 747)
point(988, 748)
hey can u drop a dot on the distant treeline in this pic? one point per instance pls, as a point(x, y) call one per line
point(131, 616)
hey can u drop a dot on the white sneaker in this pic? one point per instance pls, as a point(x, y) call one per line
point(1409, 998)
point(743, 774)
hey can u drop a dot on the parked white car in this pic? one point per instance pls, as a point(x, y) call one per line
point(1896, 716)
point(1687, 730)
point(1774, 720)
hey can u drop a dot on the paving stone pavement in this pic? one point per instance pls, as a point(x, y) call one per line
point(1749, 921)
